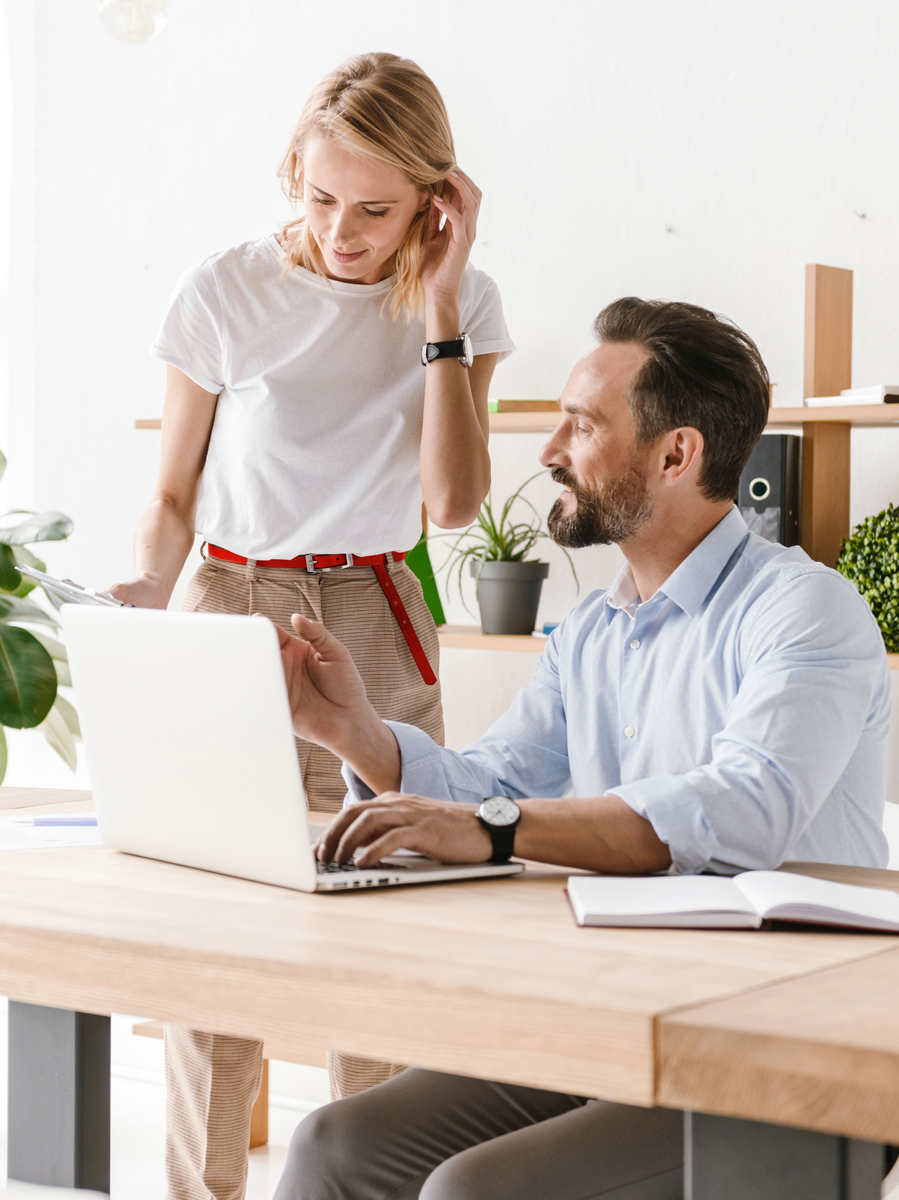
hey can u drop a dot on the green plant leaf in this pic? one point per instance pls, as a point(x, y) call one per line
point(59, 736)
point(12, 608)
point(54, 648)
point(10, 579)
point(27, 679)
point(4, 749)
point(68, 714)
point(63, 675)
point(870, 559)
point(25, 558)
point(19, 527)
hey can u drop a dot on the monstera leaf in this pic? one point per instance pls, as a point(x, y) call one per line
point(27, 679)
point(19, 527)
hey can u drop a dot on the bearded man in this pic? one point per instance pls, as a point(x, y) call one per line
point(724, 705)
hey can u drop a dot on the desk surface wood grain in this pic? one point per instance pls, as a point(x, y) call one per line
point(489, 978)
point(820, 1052)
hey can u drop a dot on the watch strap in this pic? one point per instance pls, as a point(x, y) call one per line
point(431, 351)
point(503, 840)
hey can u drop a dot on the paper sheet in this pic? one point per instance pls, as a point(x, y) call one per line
point(18, 833)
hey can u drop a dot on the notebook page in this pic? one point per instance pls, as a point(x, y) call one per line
point(654, 900)
point(780, 894)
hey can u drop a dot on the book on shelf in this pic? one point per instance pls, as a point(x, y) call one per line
point(877, 393)
point(746, 901)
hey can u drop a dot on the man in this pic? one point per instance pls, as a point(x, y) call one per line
point(723, 706)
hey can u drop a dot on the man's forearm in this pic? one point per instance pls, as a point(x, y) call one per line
point(599, 833)
point(371, 752)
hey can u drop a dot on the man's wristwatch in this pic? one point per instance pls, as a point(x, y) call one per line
point(459, 347)
point(500, 816)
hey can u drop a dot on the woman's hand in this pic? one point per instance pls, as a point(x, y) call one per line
point(445, 251)
point(142, 593)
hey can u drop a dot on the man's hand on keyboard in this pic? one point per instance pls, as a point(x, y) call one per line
point(374, 829)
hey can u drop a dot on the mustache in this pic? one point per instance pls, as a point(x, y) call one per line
point(567, 480)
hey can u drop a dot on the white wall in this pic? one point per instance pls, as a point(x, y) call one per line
point(694, 150)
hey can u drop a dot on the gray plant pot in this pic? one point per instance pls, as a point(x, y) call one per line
point(508, 594)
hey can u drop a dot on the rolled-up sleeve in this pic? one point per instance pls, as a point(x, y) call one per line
point(815, 673)
point(524, 753)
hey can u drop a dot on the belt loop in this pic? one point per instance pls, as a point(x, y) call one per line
point(250, 571)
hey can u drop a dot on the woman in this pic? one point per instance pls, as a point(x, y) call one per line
point(300, 433)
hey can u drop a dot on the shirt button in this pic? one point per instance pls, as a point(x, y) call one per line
point(635, 644)
point(628, 731)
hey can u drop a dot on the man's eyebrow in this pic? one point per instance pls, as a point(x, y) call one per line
point(316, 188)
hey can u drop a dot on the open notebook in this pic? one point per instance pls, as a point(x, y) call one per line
point(744, 902)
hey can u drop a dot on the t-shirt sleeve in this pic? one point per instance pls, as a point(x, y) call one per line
point(481, 313)
point(191, 334)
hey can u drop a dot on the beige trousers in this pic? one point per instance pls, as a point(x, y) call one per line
point(212, 1081)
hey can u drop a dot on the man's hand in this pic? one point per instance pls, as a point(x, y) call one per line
point(329, 705)
point(325, 689)
point(374, 829)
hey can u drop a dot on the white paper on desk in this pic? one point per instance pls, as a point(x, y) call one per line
point(17, 834)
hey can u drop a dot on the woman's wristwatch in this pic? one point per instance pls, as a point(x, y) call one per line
point(459, 347)
point(500, 816)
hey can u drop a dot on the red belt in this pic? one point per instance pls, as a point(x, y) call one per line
point(315, 563)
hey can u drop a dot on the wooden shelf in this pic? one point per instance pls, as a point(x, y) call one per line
point(469, 637)
point(542, 416)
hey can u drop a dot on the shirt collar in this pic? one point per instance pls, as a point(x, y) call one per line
point(690, 584)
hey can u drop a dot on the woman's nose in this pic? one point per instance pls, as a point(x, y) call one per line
point(342, 228)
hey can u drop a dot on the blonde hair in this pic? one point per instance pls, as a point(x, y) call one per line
point(387, 108)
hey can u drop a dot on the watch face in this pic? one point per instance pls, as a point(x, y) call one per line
point(469, 355)
point(499, 810)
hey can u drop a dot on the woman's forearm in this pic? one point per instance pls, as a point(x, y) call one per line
point(455, 461)
point(162, 541)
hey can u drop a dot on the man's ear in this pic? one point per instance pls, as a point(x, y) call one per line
point(682, 450)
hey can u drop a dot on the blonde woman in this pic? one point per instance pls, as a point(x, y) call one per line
point(301, 432)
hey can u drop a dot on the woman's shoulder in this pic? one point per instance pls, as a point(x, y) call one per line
point(258, 258)
point(476, 284)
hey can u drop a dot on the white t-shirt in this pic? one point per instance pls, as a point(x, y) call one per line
point(315, 444)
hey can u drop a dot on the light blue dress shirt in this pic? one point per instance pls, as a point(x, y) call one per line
point(743, 711)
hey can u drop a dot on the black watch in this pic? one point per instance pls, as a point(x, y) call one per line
point(459, 347)
point(500, 816)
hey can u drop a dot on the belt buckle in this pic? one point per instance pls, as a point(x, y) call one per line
point(314, 570)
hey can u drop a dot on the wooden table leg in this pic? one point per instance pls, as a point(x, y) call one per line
point(749, 1160)
point(259, 1115)
point(58, 1097)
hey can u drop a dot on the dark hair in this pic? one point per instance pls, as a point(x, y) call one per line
point(702, 371)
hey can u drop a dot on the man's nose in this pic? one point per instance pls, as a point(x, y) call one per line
point(552, 453)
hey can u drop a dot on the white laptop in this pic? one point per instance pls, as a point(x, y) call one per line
point(187, 729)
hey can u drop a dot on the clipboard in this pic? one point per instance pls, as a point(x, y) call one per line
point(69, 592)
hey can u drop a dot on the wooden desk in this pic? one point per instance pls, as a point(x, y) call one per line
point(405, 974)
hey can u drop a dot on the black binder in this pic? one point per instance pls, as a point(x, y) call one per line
point(769, 494)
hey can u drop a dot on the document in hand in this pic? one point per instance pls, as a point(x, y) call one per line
point(744, 902)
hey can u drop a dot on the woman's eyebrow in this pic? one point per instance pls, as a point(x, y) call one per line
point(316, 188)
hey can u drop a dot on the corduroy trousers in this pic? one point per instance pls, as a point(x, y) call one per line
point(212, 1081)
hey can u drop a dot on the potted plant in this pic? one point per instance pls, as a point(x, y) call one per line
point(496, 548)
point(32, 663)
point(870, 559)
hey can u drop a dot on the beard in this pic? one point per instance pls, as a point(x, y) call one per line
point(611, 514)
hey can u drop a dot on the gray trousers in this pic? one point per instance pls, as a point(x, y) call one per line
point(447, 1137)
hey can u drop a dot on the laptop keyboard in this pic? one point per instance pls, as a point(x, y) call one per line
point(331, 868)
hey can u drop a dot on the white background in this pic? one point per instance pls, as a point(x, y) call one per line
point(675, 148)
